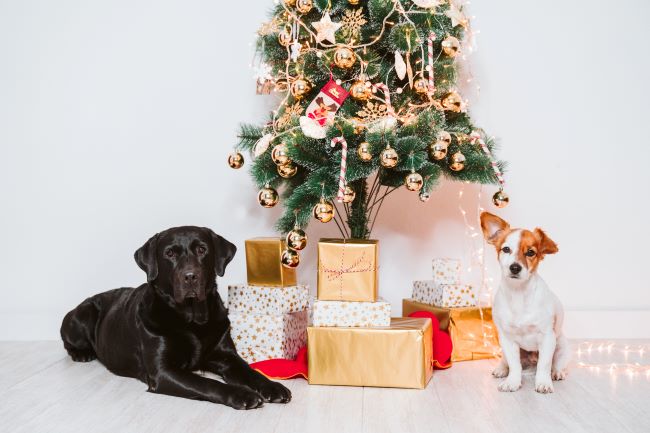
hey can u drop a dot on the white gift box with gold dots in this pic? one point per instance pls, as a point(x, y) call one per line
point(259, 337)
point(446, 271)
point(267, 300)
point(347, 313)
point(445, 295)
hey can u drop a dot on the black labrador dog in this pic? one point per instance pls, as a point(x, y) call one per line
point(172, 325)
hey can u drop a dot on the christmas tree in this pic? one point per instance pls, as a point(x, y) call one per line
point(368, 102)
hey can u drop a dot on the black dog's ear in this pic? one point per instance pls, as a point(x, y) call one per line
point(224, 251)
point(145, 257)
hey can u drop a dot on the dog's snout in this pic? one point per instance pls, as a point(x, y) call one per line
point(515, 268)
point(190, 277)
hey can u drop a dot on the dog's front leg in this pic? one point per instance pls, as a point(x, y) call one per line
point(186, 384)
point(225, 362)
point(543, 382)
point(511, 353)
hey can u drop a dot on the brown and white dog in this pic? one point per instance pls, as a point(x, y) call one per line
point(527, 314)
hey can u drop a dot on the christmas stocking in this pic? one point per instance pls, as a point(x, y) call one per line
point(320, 112)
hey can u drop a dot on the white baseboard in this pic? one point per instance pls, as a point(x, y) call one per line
point(587, 324)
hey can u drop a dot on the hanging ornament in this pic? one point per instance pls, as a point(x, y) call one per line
point(344, 57)
point(360, 90)
point(262, 144)
point(284, 37)
point(344, 165)
point(424, 196)
point(289, 112)
point(430, 67)
point(457, 17)
point(263, 79)
point(320, 112)
point(500, 199)
point(304, 6)
point(421, 86)
point(268, 197)
point(300, 87)
point(438, 150)
point(287, 170)
point(295, 49)
point(364, 151)
point(279, 154)
point(324, 211)
point(413, 181)
point(457, 161)
point(235, 160)
point(296, 239)
point(325, 29)
point(290, 259)
point(450, 46)
point(389, 157)
point(452, 102)
point(348, 195)
point(444, 136)
point(290, 3)
point(351, 23)
point(353, 2)
point(400, 66)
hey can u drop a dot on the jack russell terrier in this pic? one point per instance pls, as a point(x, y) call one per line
point(526, 313)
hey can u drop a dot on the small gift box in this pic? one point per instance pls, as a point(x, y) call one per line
point(263, 264)
point(444, 295)
point(267, 300)
point(347, 270)
point(472, 331)
point(398, 356)
point(259, 337)
point(356, 314)
point(446, 271)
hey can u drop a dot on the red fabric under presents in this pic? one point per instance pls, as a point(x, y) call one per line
point(289, 369)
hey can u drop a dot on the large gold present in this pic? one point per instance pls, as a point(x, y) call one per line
point(398, 356)
point(263, 265)
point(473, 333)
point(348, 270)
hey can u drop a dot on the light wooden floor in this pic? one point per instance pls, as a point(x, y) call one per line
point(42, 390)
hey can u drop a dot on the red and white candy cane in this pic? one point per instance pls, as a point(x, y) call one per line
point(389, 106)
point(344, 163)
point(430, 39)
point(475, 137)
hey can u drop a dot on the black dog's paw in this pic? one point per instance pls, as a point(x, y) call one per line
point(244, 398)
point(273, 392)
point(82, 355)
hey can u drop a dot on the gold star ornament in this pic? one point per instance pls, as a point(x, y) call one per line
point(325, 29)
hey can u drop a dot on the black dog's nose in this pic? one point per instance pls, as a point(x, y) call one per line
point(515, 268)
point(190, 277)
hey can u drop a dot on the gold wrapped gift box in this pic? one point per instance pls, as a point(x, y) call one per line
point(472, 331)
point(398, 356)
point(347, 270)
point(263, 265)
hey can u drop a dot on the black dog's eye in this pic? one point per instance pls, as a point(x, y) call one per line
point(506, 250)
point(530, 253)
point(201, 250)
point(170, 253)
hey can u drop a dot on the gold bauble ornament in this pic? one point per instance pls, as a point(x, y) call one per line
point(324, 211)
point(296, 239)
point(268, 197)
point(290, 259)
point(348, 195)
point(444, 136)
point(450, 46)
point(360, 91)
point(413, 181)
point(389, 157)
point(344, 57)
point(438, 150)
point(353, 2)
point(304, 6)
point(424, 196)
point(452, 102)
point(457, 161)
point(300, 87)
point(364, 151)
point(287, 170)
point(421, 86)
point(235, 160)
point(500, 199)
point(279, 154)
point(284, 37)
point(289, 2)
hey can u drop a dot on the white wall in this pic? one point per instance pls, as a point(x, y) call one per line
point(116, 118)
